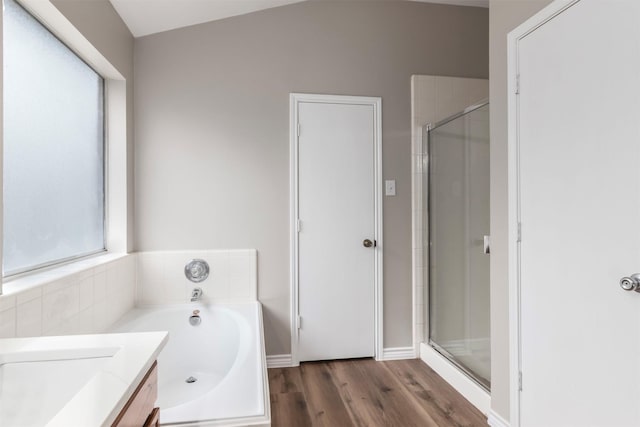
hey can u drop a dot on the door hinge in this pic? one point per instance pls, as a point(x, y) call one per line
point(519, 232)
point(298, 225)
point(518, 84)
point(299, 321)
point(298, 130)
point(486, 244)
point(520, 381)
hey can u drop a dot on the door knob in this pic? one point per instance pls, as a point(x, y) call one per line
point(368, 243)
point(631, 283)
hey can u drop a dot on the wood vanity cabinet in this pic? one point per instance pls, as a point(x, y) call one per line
point(139, 410)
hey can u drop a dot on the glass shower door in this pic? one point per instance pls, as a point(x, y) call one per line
point(458, 259)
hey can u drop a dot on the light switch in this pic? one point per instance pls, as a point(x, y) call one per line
point(390, 187)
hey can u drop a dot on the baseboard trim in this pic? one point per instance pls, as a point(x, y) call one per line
point(458, 380)
point(391, 353)
point(495, 420)
point(398, 353)
point(279, 361)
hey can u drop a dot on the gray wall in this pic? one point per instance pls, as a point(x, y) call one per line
point(98, 21)
point(505, 15)
point(212, 139)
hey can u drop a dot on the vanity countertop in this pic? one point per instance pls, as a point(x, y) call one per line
point(75, 380)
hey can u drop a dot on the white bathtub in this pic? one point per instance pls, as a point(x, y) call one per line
point(225, 354)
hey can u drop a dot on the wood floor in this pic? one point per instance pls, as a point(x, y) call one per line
point(364, 392)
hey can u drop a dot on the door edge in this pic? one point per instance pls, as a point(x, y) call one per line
point(513, 176)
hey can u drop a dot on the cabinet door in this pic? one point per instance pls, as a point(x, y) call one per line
point(141, 405)
point(154, 418)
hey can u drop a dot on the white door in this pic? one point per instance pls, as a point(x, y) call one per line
point(336, 202)
point(579, 164)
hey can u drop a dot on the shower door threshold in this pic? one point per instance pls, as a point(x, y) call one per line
point(482, 382)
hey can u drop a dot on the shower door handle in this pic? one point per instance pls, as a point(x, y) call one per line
point(486, 244)
point(631, 283)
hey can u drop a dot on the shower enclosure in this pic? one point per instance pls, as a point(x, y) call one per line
point(457, 182)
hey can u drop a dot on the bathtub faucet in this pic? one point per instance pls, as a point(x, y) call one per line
point(196, 293)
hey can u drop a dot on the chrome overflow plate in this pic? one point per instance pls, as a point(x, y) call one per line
point(196, 270)
point(194, 319)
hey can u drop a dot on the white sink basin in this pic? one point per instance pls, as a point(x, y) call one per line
point(79, 380)
point(35, 385)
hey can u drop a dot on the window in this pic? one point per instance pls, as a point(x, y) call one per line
point(53, 167)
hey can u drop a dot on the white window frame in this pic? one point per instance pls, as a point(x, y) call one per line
point(115, 123)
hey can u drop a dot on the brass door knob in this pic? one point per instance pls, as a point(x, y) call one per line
point(367, 243)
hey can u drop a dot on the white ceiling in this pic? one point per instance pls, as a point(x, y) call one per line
point(144, 17)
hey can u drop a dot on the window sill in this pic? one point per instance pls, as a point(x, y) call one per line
point(26, 281)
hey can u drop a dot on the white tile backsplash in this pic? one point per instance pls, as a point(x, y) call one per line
point(150, 270)
point(85, 321)
point(242, 274)
point(101, 311)
point(89, 297)
point(86, 293)
point(29, 318)
point(57, 285)
point(8, 323)
point(100, 286)
point(29, 295)
point(219, 263)
point(60, 306)
point(79, 299)
point(114, 277)
point(161, 279)
point(8, 302)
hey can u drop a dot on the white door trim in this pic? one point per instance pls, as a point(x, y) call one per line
point(513, 40)
point(294, 101)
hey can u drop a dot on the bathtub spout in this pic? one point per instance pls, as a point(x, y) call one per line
point(196, 293)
